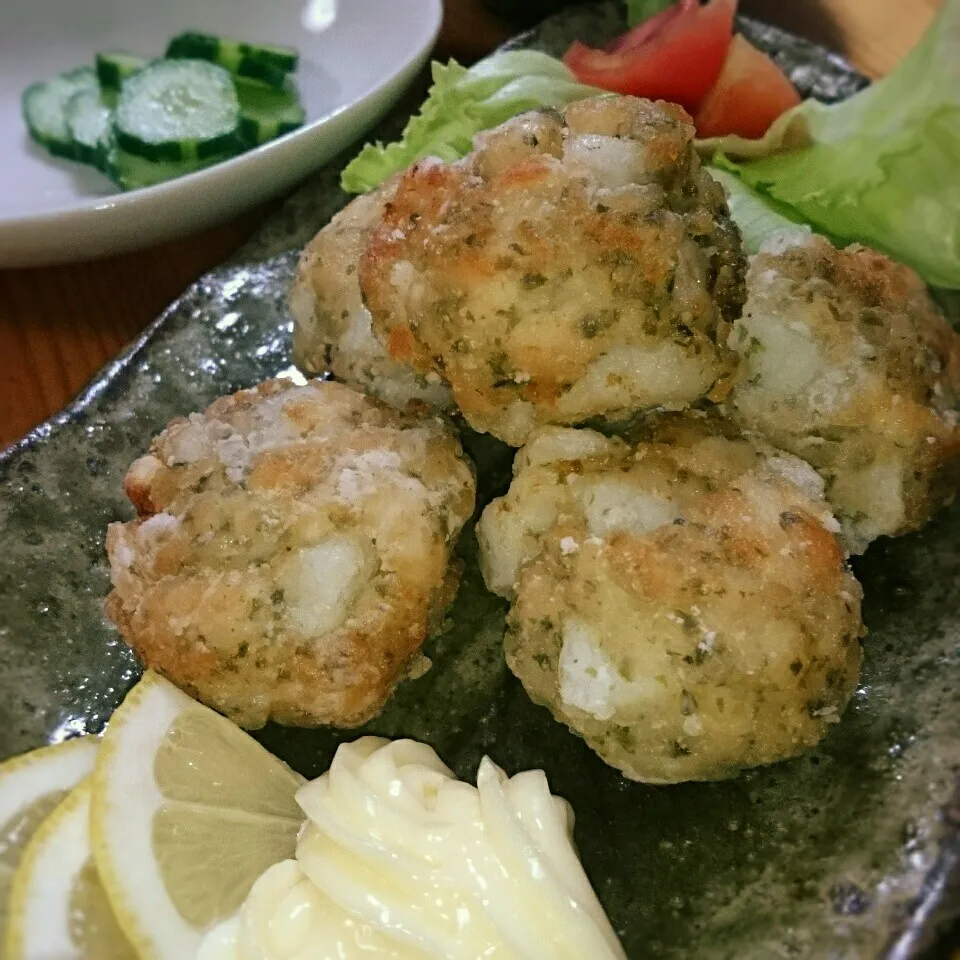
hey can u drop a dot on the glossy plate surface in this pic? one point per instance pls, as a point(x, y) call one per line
point(844, 853)
point(350, 75)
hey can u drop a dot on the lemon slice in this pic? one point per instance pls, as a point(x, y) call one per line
point(188, 811)
point(58, 910)
point(31, 786)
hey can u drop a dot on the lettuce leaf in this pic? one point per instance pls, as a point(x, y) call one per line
point(463, 102)
point(758, 221)
point(640, 10)
point(882, 168)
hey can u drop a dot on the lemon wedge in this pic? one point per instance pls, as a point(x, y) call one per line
point(31, 787)
point(188, 811)
point(58, 910)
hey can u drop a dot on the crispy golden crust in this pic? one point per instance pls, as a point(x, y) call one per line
point(292, 551)
point(332, 330)
point(572, 267)
point(848, 363)
point(679, 600)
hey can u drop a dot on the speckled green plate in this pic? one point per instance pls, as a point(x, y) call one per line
point(849, 852)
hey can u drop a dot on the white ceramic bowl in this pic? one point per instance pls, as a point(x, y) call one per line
point(55, 210)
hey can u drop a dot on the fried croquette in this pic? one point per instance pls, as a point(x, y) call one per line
point(679, 598)
point(293, 549)
point(848, 363)
point(332, 331)
point(573, 267)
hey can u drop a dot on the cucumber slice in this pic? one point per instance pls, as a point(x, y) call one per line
point(179, 110)
point(113, 67)
point(90, 122)
point(228, 53)
point(264, 73)
point(131, 172)
point(266, 64)
point(265, 113)
point(44, 108)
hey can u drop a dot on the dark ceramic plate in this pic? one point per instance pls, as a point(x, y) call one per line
point(847, 852)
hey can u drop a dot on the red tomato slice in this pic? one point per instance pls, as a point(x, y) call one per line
point(677, 58)
point(751, 92)
point(642, 32)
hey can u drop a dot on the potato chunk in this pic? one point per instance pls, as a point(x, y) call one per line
point(679, 598)
point(332, 329)
point(572, 267)
point(292, 551)
point(848, 363)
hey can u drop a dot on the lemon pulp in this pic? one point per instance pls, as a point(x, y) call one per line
point(188, 810)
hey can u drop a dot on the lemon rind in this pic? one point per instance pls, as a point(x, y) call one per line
point(28, 778)
point(121, 841)
point(40, 893)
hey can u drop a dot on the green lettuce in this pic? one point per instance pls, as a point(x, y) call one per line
point(640, 10)
point(463, 102)
point(882, 168)
point(758, 221)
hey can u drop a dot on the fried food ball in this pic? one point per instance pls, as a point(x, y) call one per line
point(572, 267)
point(679, 600)
point(332, 331)
point(293, 548)
point(848, 363)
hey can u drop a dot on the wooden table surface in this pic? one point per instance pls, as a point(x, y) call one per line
point(59, 325)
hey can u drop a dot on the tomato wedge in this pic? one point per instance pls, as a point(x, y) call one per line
point(751, 92)
point(676, 55)
point(642, 32)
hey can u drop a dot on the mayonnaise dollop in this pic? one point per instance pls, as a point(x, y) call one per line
point(399, 859)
